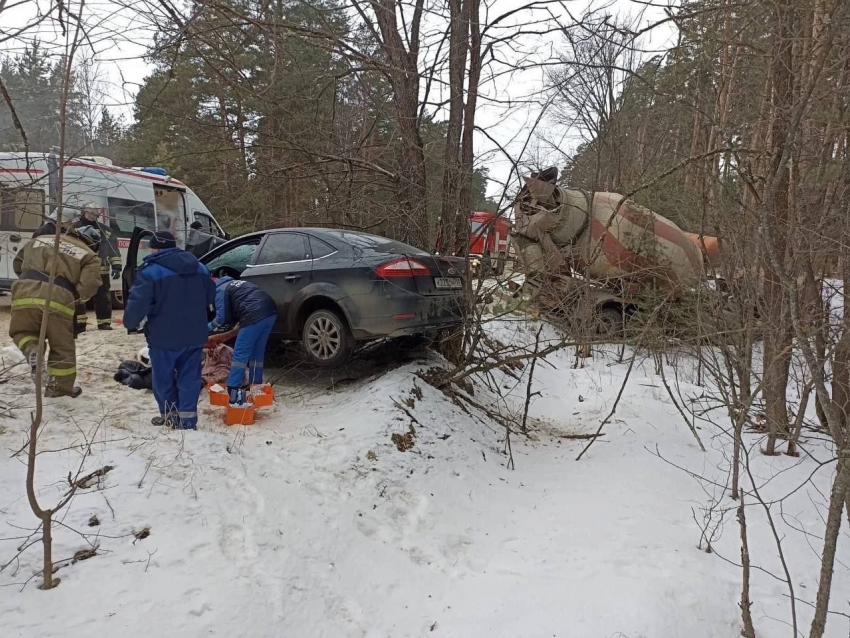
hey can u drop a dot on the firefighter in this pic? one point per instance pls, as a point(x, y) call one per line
point(77, 277)
point(110, 264)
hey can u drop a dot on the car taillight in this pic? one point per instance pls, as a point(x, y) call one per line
point(404, 267)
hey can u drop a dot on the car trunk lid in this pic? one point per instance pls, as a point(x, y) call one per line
point(445, 277)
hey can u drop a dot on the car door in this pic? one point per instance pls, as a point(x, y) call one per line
point(282, 268)
point(6, 231)
point(134, 259)
point(232, 258)
point(21, 211)
point(206, 238)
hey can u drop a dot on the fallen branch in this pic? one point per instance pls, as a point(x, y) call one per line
point(85, 481)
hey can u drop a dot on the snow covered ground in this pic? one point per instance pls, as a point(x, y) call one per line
point(312, 523)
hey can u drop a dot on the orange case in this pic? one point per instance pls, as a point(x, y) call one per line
point(239, 416)
point(265, 399)
point(218, 398)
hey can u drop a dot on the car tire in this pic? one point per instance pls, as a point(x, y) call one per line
point(117, 298)
point(326, 339)
point(610, 322)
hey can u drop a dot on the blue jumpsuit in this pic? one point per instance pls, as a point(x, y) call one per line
point(170, 299)
point(242, 302)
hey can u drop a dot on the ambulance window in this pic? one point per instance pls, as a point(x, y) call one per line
point(169, 206)
point(206, 223)
point(126, 214)
point(22, 209)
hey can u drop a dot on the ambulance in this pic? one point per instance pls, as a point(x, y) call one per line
point(147, 198)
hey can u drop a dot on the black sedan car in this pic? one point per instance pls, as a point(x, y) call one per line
point(336, 287)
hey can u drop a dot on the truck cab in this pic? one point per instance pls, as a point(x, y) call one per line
point(488, 241)
point(489, 245)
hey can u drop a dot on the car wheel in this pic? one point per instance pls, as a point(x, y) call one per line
point(610, 322)
point(117, 298)
point(327, 339)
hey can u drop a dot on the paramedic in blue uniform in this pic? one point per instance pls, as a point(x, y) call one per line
point(170, 299)
point(242, 302)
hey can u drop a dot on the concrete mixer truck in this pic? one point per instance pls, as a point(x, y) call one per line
point(620, 253)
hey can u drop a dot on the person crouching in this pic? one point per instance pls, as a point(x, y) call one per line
point(170, 299)
point(242, 302)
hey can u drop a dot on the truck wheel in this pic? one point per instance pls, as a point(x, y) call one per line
point(117, 298)
point(327, 339)
point(486, 265)
point(610, 322)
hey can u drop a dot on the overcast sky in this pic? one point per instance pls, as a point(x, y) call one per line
point(513, 107)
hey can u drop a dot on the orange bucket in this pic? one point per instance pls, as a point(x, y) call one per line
point(243, 415)
point(265, 398)
point(218, 398)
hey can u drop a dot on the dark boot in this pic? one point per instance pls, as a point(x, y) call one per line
point(168, 420)
point(105, 326)
point(52, 392)
point(238, 396)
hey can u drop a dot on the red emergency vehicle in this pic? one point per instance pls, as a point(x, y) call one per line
point(488, 240)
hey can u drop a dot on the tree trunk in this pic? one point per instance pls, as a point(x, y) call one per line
point(413, 225)
point(777, 333)
point(453, 348)
point(830, 543)
point(748, 631)
point(453, 216)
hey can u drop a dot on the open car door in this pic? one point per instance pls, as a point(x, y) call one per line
point(134, 259)
point(201, 243)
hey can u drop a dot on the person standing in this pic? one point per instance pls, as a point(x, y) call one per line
point(242, 302)
point(77, 277)
point(172, 299)
point(195, 236)
point(110, 264)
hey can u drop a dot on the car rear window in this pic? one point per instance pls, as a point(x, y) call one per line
point(281, 248)
point(364, 243)
point(320, 249)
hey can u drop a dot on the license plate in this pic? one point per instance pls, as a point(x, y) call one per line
point(448, 282)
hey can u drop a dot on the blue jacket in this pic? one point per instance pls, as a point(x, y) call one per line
point(238, 301)
point(173, 291)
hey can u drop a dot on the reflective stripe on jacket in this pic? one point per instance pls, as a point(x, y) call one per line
point(76, 263)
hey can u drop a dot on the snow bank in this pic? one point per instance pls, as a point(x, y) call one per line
point(312, 523)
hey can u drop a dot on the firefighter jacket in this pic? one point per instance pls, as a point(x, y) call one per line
point(108, 253)
point(77, 273)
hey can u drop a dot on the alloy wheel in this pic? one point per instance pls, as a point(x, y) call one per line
point(324, 338)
